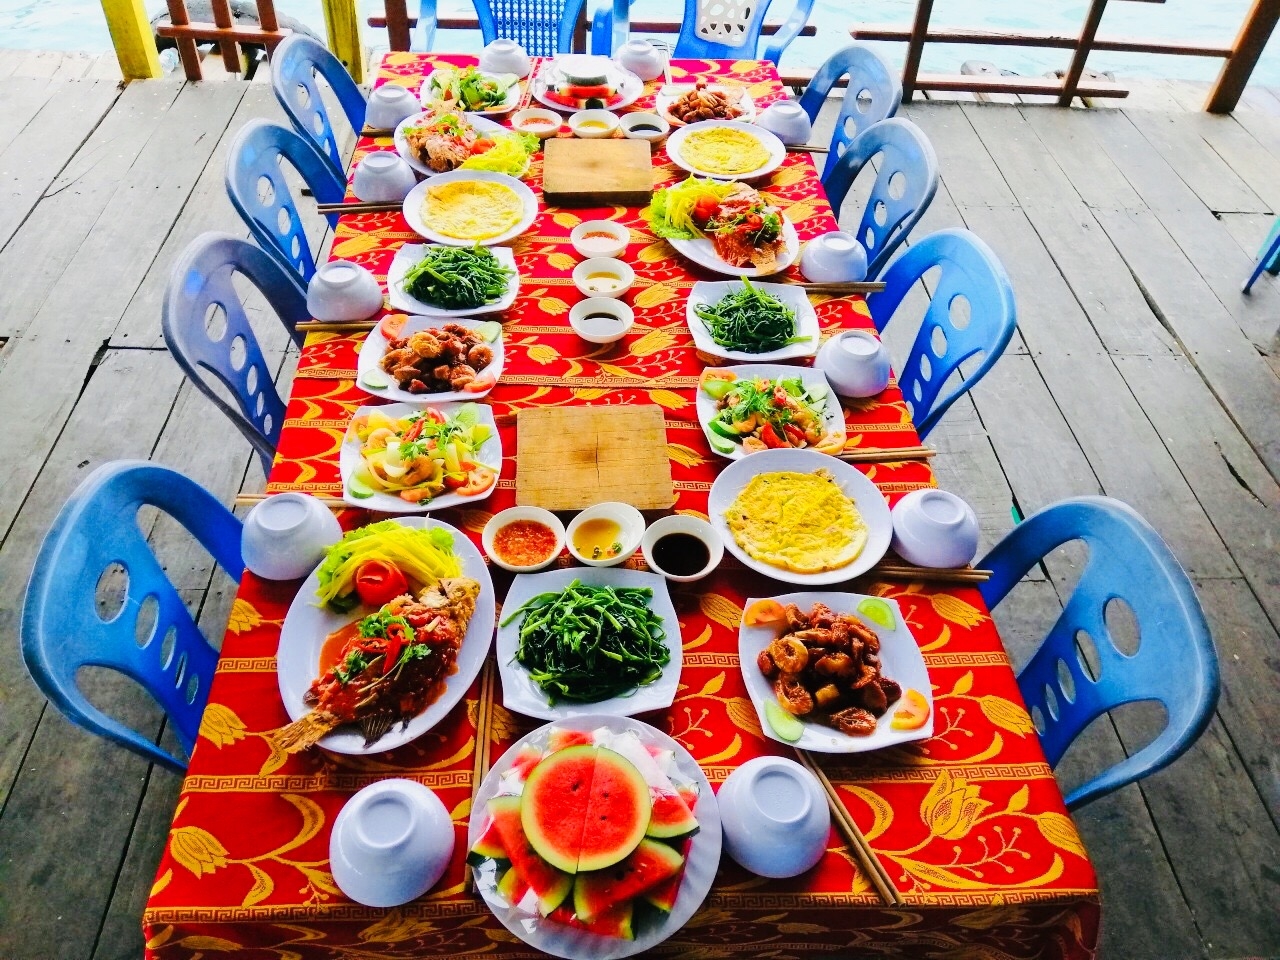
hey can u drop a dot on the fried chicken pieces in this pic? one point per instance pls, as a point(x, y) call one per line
point(703, 104)
point(437, 360)
point(826, 667)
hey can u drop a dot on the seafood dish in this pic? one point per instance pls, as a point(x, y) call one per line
point(758, 413)
point(387, 667)
point(703, 103)
point(442, 140)
point(743, 226)
point(801, 522)
point(439, 360)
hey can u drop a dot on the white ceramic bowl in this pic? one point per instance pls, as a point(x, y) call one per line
point(522, 120)
point(383, 176)
point(584, 124)
point(681, 523)
point(787, 120)
point(511, 515)
point(628, 519)
point(610, 266)
point(835, 257)
point(341, 292)
point(934, 528)
point(286, 535)
point(632, 120)
point(388, 105)
point(583, 317)
point(599, 246)
point(856, 363)
point(775, 817)
point(505, 56)
point(641, 58)
point(390, 843)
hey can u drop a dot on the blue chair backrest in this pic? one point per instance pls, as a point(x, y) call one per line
point(903, 188)
point(294, 65)
point(874, 93)
point(201, 279)
point(543, 27)
point(153, 638)
point(1175, 662)
point(717, 31)
point(971, 311)
point(258, 191)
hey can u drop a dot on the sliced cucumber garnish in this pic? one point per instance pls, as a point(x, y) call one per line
point(374, 380)
point(359, 489)
point(490, 330)
point(782, 723)
point(721, 445)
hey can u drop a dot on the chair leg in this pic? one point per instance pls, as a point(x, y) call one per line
point(1268, 257)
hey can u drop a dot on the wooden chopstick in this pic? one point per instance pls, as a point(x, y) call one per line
point(375, 132)
point(480, 768)
point(388, 206)
point(806, 148)
point(909, 571)
point(249, 499)
point(859, 286)
point(318, 326)
point(885, 454)
point(871, 865)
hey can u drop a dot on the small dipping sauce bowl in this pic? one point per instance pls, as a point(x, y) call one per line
point(523, 539)
point(600, 238)
point(537, 121)
point(682, 548)
point(645, 126)
point(603, 527)
point(603, 277)
point(601, 319)
point(593, 124)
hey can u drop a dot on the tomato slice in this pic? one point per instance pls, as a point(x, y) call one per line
point(771, 438)
point(912, 712)
point(391, 325)
point(763, 611)
point(481, 383)
point(479, 480)
point(379, 582)
point(481, 145)
point(454, 481)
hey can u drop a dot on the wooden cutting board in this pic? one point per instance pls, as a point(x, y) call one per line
point(597, 173)
point(571, 457)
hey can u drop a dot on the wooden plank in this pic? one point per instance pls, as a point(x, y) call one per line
point(1250, 231)
point(1037, 38)
point(41, 147)
point(9, 61)
point(1071, 141)
point(1242, 152)
point(1044, 86)
point(21, 99)
point(39, 63)
point(962, 156)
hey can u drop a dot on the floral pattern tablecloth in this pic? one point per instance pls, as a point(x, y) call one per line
point(969, 824)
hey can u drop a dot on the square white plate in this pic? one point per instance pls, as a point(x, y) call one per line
point(706, 406)
point(900, 661)
point(521, 694)
point(411, 253)
point(349, 460)
point(509, 102)
point(713, 291)
point(375, 347)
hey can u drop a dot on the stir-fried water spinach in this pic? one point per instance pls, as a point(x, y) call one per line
point(457, 278)
point(750, 320)
point(588, 644)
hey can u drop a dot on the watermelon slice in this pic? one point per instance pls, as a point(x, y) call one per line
point(489, 846)
point(560, 739)
point(525, 760)
point(597, 893)
point(617, 812)
point(554, 805)
point(671, 817)
point(613, 923)
point(549, 885)
point(512, 887)
point(663, 896)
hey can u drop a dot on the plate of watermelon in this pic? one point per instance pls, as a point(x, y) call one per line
point(594, 837)
point(578, 81)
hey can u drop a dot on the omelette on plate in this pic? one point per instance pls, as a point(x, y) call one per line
point(471, 209)
point(802, 522)
point(723, 150)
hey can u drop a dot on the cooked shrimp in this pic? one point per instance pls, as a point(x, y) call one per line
point(792, 696)
point(789, 654)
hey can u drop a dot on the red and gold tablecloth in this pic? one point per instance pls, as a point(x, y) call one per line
point(969, 824)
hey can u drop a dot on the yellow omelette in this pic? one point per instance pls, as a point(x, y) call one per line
point(801, 522)
point(471, 209)
point(723, 150)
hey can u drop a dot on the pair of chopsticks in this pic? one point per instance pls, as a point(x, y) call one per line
point(871, 865)
point(249, 499)
point(375, 132)
point(806, 148)
point(901, 570)
point(887, 454)
point(853, 286)
point(484, 716)
point(361, 206)
point(319, 326)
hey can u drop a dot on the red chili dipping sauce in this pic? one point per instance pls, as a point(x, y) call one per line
point(523, 543)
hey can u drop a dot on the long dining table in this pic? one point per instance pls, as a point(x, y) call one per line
point(969, 824)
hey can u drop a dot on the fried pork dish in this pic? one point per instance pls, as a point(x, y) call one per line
point(387, 667)
point(703, 104)
point(437, 360)
point(442, 140)
point(826, 668)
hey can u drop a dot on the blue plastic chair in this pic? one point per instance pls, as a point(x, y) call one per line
point(723, 40)
point(62, 630)
point(904, 187)
point(948, 335)
point(294, 66)
point(1268, 257)
point(258, 191)
point(874, 93)
point(1175, 663)
point(200, 279)
point(542, 27)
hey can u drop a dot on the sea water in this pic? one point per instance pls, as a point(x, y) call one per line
point(79, 25)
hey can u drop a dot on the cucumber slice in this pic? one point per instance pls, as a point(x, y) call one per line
point(490, 330)
point(817, 390)
point(721, 445)
point(359, 489)
point(782, 723)
point(373, 380)
point(720, 428)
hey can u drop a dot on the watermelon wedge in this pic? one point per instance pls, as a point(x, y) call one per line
point(525, 760)
point(663, 896)
point(561, 738)
point(511, 887)
point(671, 817)
point(617, 812)
point(489, 846)
point(549, 885)
point(599, 892)
point(554, 803)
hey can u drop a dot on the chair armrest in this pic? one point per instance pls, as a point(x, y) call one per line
point(427, 22)
point(789, 30)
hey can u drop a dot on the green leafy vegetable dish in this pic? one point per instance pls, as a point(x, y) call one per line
point(470, 88)
point(749, 320)
point(587, 644)
point(457, 278)
point(423, 554)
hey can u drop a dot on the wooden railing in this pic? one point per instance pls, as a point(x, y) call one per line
point(1240, 56)
point(224, 31)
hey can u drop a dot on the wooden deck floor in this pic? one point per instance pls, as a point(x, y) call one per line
point(1139, 371)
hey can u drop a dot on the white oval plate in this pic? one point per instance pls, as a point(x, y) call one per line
point(777, 150)
point(630, 87)
point(482, 126)
point(349, 460)
point(706, 407)
point(700, 865)
point(509, 103)
point(413, 207)
point(900, 658)
point(521, 694)
point(665, 98)
point(375, 347)
point(707, 292)
point(703, 253)
point(865, 495)
point(306, 626)
point(410, 253)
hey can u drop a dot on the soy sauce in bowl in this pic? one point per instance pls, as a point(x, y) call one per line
point(680, 554)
